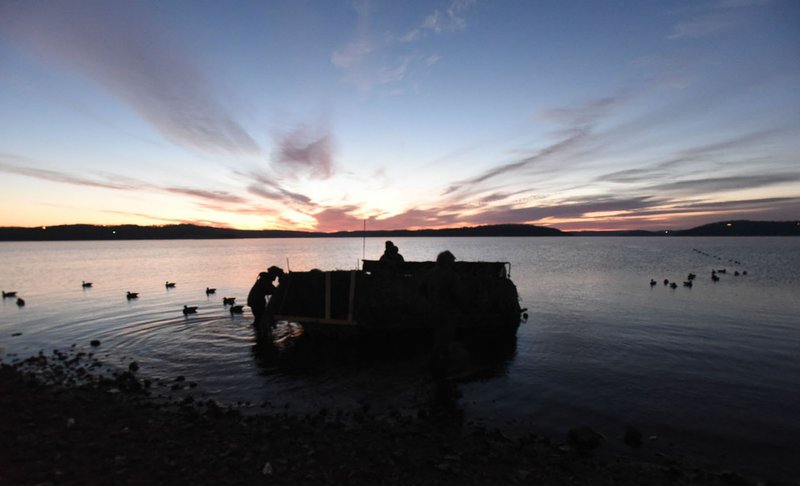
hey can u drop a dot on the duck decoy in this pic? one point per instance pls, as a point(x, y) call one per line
point(86, 284)
point(714, 277)
point(9, 294)
point(687, 283)
point(20, 302)
point(228, 300)
point(744, 272)
point(691, 276)
point(666, 281)
point(736, 273)
point(210, 291)
point(189, 310)
point(169, 284)
point(132, 295)
point(652, 282)
point(237, 309)
point(673, 285)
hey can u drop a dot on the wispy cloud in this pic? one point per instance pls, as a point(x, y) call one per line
point(107, 182)
point(451, 19)
point(369, 61)
point(112, 181)
point(576, 128)
point(268, 187)
point(124, 49)
point(277, 193)
point(554, 149)
point(717, 150)
point(715, 18)
point(338, 219)
point(710, 185)
point(351, 54)
point(221, 196)
point(306, 152)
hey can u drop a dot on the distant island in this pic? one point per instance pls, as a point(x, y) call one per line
point(190, 231)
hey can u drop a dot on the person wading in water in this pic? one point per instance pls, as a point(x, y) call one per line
point(257, 298)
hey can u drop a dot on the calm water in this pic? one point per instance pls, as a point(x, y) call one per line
point(712, 371)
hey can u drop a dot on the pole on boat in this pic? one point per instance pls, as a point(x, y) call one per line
point(364, 241)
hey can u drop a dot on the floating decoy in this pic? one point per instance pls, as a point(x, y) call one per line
point(744, 272)
point(9, 294)
point(133, 295)
point(687, 283)
point(736, 273)
point(20, 302)
point(722, 270)
point(169, 284)
point(673, 285)
point(652, 282)
point(189, 310)
point(86, 284)
point(666, 281)
point(714, 277)
point(237, 309)
point(228, 300)
point(691, 276)
point(210, 291)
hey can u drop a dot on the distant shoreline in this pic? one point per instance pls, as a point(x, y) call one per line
point(81, 232)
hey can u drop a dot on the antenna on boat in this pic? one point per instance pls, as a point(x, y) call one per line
point(287, 265)
point(364, 241)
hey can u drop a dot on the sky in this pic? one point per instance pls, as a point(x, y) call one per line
point(321, 115)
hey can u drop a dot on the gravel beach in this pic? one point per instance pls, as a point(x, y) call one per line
point(63, 421)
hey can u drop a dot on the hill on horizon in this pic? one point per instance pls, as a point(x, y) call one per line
point(190, 231)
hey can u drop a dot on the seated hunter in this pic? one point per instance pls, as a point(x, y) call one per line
point(391, 261)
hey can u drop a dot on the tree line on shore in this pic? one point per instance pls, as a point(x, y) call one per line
point(191, 231)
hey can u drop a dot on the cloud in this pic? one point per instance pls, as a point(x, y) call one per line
point(121, 47)
point(576, 128)
point(452, 19)
point(729, 205)
point(719, 17)
point(370, 61)
point(395, 72)
point(705, 25)
point(267, 187)
point(338, 219)
point(581, 115)
point(691, 155)
point(113, 181)
point(721, 184)
point(277, 193)
point(416, 218)
point(351, 54)
point(556, 148)
point(571, 210)
point(220, 196)
point(304, 151)
point(67, 178)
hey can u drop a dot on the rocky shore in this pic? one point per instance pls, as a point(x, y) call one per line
point(62, 421)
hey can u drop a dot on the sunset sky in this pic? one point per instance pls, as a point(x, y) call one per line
point(317, 115)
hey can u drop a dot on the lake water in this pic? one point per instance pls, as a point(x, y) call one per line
point(712, 371)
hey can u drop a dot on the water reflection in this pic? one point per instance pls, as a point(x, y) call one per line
point(381, 374)
point(292, 351)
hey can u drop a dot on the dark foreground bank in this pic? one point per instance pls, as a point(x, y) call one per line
point(62, 423)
